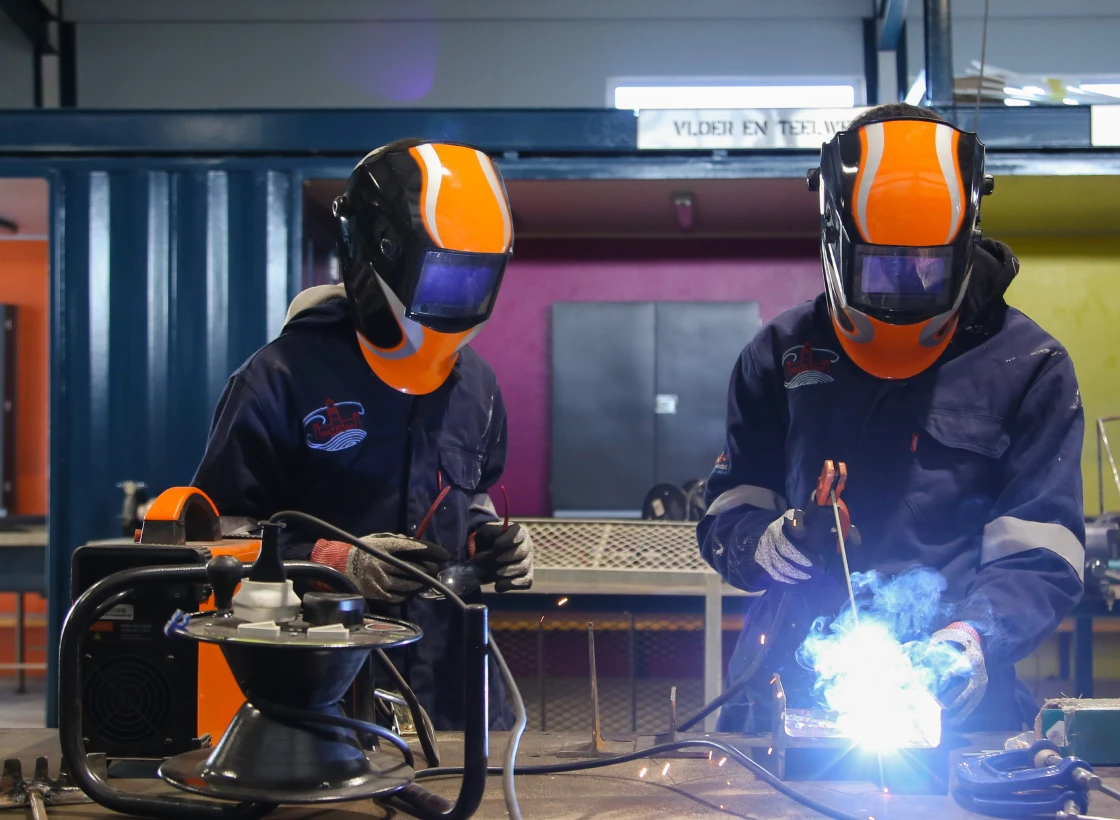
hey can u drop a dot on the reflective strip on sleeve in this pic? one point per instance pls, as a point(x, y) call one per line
point(759, 497)
point(1007, 536)
point(483, 504)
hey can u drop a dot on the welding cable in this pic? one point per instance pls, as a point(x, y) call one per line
point(419, 717)
point(741, 682)
point(509, 768)
point(433, 583)
point(310, 718)
point(583, 765)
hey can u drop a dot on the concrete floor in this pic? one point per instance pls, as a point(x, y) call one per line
point(23, 711)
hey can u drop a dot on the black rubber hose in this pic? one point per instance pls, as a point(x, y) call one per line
point(310, 718)
point(419, 717)
point(733, 753)
point(341, 535)
point(745, 678)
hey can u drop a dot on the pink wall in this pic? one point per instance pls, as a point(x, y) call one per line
point(776, 273)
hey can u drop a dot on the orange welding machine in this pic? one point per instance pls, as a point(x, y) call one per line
point(145, 695)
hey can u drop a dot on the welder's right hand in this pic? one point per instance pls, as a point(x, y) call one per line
point(379, 580)
point(813, 530)
point(776, 553)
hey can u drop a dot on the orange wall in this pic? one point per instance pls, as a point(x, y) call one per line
point(24, 281)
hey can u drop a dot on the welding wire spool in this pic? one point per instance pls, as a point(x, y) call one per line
point(522, 718)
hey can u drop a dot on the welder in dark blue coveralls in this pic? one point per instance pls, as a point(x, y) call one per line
point(959, 419)
point(370, 402)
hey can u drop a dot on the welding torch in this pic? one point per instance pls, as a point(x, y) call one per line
point(827, 514)
point(464, 578)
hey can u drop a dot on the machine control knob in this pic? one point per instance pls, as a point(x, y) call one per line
point(325, 608)
point(224, 574)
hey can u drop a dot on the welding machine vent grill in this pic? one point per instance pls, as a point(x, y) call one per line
point(127, 701)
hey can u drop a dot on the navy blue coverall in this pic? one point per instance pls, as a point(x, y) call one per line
point(971, 468)
point(306, 425)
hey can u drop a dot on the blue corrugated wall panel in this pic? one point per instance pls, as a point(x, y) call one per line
point(165, 280)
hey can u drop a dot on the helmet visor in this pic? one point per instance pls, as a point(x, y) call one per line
point(903, 279)
point(453, 285)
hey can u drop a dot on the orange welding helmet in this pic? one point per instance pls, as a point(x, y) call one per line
point(425, 233)
point(899, 214)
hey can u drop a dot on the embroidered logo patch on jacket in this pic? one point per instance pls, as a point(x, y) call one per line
point(807, 365)
point(336, 426)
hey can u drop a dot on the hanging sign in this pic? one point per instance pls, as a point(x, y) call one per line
point(1104, 128)
point(667, 130)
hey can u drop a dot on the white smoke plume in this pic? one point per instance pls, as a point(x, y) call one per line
point(880, 677)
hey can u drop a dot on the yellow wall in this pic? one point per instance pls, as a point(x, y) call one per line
point(1071, 286)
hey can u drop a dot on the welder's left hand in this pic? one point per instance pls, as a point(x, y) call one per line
point(503, 557)
point(965, 675)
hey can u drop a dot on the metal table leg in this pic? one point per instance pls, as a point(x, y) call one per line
point(1083, 656)
point(713, 645)
point(21, 682)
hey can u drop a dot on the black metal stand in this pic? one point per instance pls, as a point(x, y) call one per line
point(414, 799)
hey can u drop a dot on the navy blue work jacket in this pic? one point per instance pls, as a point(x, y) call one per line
point(306, 425)
point(971, 468)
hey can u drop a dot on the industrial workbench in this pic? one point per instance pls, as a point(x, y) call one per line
point(691, 788)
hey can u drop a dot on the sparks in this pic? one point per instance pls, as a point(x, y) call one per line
point(665, 771)
point(762, 639)
point(770, 751)
point(722, 760)
point(561, 602)
point(642, 773)
point(721, 807)
point(709, 754)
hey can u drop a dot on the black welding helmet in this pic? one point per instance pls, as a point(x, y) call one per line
point(899, 209)
point(425, 236)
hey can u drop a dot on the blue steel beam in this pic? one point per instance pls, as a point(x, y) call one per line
point(298, 140)
point(304, 133)
point(33, 20)
point(892, 17)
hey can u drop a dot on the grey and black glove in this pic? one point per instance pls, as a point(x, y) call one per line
point(963, 677)
point(503, 556)
point(378, 580)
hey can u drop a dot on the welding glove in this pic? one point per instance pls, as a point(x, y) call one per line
point(378, 580)
point(503, 556)
point(777, 555)
point(790, 547)
point(957, 653)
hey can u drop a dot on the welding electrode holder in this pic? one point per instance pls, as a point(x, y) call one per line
point(813, 527)
point(115, 588)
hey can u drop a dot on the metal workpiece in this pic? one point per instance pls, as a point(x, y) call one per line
point(807, 744)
